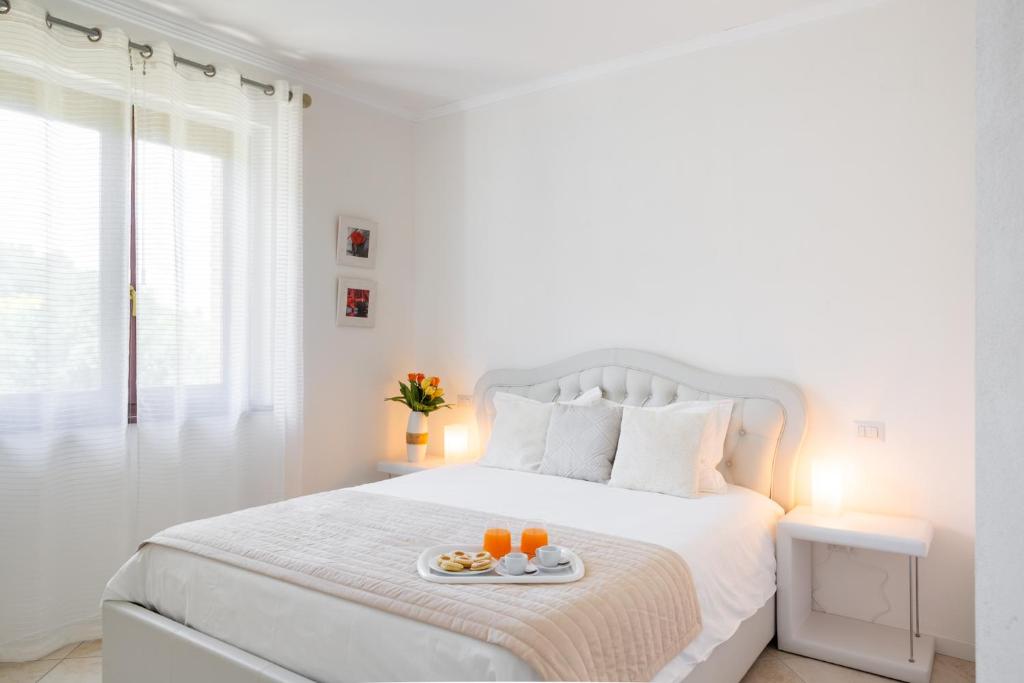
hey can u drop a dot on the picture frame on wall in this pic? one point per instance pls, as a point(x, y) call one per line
point(358, 242)
point(356, 302)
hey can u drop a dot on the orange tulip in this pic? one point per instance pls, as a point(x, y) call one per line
point(412, 376)
point(420, 376)
point(434, 381)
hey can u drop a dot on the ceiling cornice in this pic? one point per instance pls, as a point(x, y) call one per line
point(179, 29)
point(729, 36)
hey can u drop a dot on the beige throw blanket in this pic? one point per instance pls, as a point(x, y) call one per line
point(633, 611)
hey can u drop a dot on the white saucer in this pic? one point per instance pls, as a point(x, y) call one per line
point(552, 570)
point(499, 568)
point(563, 564)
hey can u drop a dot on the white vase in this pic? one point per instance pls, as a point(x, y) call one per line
point(416, 435)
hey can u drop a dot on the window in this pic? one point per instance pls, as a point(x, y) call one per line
point(71, 246)
point(182, 200)
point(53, 259)
point(60, 249)
point(176, 204)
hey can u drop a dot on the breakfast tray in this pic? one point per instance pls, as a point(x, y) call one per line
point(573, 572)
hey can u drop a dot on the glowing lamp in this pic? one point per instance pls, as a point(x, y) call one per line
point(456, 442)
point(827, 487)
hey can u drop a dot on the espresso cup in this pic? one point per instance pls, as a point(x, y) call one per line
point(515, 563)
point(549, 556)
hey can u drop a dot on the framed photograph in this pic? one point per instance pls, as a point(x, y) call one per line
point(357, 302)
point(357, 242)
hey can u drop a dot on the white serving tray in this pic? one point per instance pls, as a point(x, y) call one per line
point(574, 572)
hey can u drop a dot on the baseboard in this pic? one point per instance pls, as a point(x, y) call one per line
point(954, 648)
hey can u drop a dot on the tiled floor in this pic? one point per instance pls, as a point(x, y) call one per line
point(76, 663)
point(774, 666)
point(83, 662)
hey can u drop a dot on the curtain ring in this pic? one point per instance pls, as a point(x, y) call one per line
point(269, 89)
point(145, 51)
point(5, 6)
point(210, 70)
point(92, 33)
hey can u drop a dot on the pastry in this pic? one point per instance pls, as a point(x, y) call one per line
point(460, 560)
point(450, 566)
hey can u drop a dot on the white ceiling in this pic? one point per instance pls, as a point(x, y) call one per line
point(418, 55)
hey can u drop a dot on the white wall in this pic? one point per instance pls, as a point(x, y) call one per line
point(796, 205)
point(1000, 364)
point(357, 162)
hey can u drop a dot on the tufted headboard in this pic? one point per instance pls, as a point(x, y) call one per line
point(763, 443)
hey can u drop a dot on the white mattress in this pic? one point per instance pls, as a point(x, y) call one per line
point(727, 539)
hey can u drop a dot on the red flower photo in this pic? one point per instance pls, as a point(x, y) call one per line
point(357, 303)
point(358, 243)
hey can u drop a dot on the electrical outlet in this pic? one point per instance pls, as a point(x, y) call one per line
point(464, 401)
point(868, 429)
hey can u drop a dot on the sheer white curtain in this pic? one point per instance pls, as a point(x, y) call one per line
point(218, 213)
point(64, 218)
point(219, 315)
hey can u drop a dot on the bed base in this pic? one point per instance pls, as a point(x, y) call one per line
point(140, 645)
point(730, 661)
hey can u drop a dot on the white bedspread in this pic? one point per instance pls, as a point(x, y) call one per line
point(727, 540)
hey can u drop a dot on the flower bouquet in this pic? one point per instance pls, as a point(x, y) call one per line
point(422, 395)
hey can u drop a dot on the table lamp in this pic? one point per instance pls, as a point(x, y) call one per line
point(456, 442)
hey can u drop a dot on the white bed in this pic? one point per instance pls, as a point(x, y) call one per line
point(246, 626)
point(726, 539)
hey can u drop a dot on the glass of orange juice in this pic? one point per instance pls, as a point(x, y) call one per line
point(498, 538)
point(535, 534)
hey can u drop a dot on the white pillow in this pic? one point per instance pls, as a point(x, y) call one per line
point(520, 430)
point(659, 451)
point(712, 445)
point(582, 441)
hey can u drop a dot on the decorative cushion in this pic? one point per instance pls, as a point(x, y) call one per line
point(520, 430)
point(659, 451)
point(712, 443)
point(712, 446)
point(581, 441)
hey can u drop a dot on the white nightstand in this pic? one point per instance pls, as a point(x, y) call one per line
point(884, 650)
point(396, 468)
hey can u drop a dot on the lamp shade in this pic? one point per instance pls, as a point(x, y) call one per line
point(456, 442)
point(827, 484)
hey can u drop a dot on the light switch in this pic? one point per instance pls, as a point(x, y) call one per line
point(867, 429)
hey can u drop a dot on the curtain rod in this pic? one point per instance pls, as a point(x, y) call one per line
point(94, 34)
